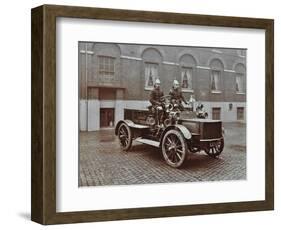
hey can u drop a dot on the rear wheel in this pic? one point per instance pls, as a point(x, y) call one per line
point(214, 149)
point(174, 148)
point(125, 136)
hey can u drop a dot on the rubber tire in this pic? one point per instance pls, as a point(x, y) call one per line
point(184, 146)
point(219, 152)
point(129, 131)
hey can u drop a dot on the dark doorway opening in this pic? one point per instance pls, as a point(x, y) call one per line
point(106, 117)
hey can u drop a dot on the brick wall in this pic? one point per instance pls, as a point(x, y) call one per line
point(130, 69)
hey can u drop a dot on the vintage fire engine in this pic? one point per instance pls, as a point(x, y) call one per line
point(178, 134)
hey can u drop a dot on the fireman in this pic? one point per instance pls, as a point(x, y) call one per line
point(155, 99)
point(176, 95)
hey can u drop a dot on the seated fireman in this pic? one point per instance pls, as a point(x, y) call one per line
point(155, 99)
point(176, 95)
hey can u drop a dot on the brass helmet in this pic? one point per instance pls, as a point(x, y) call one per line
point(176, 84)
point(157, 83)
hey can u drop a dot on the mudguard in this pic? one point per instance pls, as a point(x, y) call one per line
point(128, 122)
point(131, 124)
point(187, 135)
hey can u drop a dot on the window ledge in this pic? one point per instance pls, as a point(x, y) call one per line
point(148, 88)
point(216, 91)
point(240, 93)
point(187, 90)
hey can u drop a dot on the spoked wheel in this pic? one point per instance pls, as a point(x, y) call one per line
point(125, 136)
point(174, 148)
point(215, 148)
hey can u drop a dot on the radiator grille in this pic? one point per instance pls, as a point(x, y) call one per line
point(212, 130)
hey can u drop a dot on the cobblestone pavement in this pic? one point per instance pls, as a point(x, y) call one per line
point(103, 163)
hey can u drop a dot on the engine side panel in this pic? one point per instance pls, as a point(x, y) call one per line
point(207, 129)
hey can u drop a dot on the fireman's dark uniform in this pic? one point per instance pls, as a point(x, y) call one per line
point(155, 96)
point(176, 95)
point(154, 99)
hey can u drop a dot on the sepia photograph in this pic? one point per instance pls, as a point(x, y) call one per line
point(153, 113)
point(145, 114)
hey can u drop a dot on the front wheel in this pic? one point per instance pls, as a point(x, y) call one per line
point(125, 136)
point(174, 148)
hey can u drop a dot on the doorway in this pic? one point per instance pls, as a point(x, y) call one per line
point(106, 117)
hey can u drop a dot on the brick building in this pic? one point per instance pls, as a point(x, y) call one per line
point(116, 79)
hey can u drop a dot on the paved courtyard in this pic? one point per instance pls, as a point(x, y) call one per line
point(103, 163)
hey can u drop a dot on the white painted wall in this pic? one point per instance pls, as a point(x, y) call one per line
point(134, 104)
point(119, 110)
point(119, 106)
point(93, 115)
point(83, 115)
point(107, 103)
point(226, 114)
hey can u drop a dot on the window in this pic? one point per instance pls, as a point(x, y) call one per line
point(240, 78)
point(239, 82)
point(151, 74)
point(215, 80)
point(106, 66)
point(186, 78)
point(216, 113)
point(240, 113)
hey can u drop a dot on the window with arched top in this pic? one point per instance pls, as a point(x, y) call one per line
point(186, 78)
point(240, 73)
point(216, 72)
point(151, 74)
point(187, 65)
point(152, 59)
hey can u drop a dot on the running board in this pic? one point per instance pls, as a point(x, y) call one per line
point(148, 142)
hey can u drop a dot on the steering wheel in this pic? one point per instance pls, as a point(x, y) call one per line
point(164, 98)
